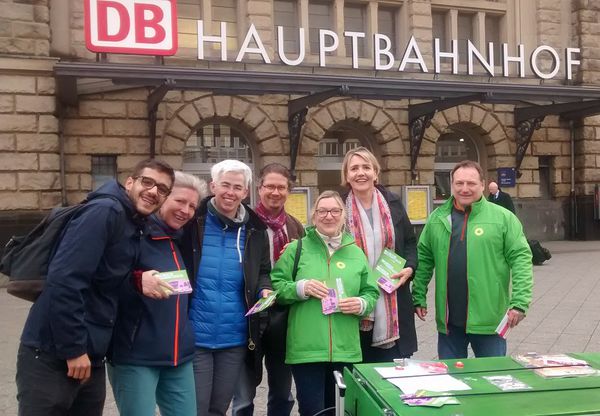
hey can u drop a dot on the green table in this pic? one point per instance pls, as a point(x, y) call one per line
point(368, 394)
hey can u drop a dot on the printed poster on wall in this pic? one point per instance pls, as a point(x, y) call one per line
point(418, 203)
point(298, 204)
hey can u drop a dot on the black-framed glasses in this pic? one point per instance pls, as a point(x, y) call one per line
point(273, 188)
point(149, 183)
point(335, 212)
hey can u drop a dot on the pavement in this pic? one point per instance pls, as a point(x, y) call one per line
point(564, 317)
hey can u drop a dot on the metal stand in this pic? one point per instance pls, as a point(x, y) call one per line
point(340, 392)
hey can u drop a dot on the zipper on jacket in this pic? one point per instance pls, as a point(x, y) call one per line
point(329, 257)
point(251, 344)
point(447, 311)
point(177, 317)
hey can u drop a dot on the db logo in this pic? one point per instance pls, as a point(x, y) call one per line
point(145, 27)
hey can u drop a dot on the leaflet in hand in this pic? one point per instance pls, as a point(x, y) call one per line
point(388, 264)
point(503, 327)
point(262, 304)
point(178, 279)
point(330, 303)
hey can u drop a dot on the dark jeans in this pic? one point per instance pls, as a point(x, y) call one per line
point(315, 386)
point(280, 399)
point(43, 388)
point(455, 343)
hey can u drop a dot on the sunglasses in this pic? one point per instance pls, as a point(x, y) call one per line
point(149, 183)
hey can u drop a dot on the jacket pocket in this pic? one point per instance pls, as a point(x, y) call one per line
point(99, 336)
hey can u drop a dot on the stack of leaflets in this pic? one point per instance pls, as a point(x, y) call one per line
point(330, 304)
point(428, 399)
point(507, 383)
point(178, 280)
point(388, 264)
point(555, 365)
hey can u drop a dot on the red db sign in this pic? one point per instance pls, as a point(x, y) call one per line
point(144, 27)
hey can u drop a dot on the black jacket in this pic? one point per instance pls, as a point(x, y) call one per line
point(256, 268)
point(274, 338)
point(504, 200)
point(76, 311)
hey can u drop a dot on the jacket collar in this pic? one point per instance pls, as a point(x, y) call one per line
point(254, 220)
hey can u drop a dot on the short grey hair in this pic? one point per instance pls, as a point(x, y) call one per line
point(186, 180)
point(233, 166)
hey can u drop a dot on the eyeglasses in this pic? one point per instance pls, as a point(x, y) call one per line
point(149, 183)
point(272, 188)
point(335, 212)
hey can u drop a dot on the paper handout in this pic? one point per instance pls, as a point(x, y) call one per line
point(262, 304)
point(388, 264)
point(178, 280)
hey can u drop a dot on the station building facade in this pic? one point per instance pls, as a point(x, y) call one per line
point(71, 118)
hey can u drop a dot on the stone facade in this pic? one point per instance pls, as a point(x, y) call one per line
point(114, 121)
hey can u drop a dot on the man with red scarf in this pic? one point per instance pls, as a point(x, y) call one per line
point(273, 189)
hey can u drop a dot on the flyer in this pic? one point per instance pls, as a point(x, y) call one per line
point(388, 264)
point(262, 304)
point(178, 279)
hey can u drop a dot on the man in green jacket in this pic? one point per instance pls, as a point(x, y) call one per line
point(474, 246)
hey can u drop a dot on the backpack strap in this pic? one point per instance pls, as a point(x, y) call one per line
point(297, 259)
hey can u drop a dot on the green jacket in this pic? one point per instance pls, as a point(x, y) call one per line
point(312, 336)
point(496, 246)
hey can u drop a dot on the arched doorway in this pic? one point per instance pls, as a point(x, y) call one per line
point(458, 143)
point(212, 143)
point(338, 140)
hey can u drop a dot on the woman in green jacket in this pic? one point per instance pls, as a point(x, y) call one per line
point(322, 336)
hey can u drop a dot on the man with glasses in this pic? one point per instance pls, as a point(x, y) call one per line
point(60, 363)
point(273, 189)
point(226, 251)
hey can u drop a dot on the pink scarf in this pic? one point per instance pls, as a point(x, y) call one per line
point(384, 320)
point(276, 224)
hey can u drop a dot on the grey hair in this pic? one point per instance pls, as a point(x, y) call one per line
point(234, 166)
point(186, 180)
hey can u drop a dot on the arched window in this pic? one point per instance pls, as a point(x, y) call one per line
point(451, 148)
point(214, 143)
point(332, 148)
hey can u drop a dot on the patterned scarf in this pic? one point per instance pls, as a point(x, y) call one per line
point(372, 240)
point(277, 224)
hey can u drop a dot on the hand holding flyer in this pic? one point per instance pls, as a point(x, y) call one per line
point(178, 280)
point(262, 304)
point(503, 327)
point(388, 264)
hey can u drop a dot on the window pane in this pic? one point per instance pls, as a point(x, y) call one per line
point(465, 31)
point(354, 21)
point(386, 22)
point(286, 15)
point(225, 11)
point(492, 34)
point(217, 142)
point(438, 22)
point(189, 12)
point(319, 17)
point(104, 168)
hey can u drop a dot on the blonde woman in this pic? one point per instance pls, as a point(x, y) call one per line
point(318, 343)
point(377, 220)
